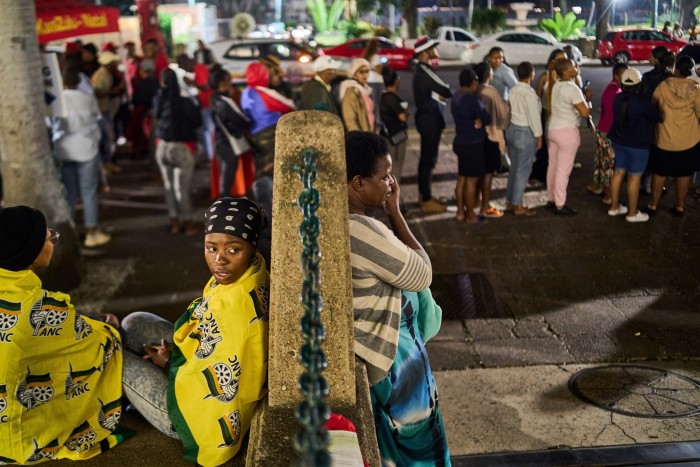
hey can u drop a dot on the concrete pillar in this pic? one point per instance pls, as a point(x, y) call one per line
point(295, 132)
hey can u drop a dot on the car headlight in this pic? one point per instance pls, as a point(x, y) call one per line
point(305, 59)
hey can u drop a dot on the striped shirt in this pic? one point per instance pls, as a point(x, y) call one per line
point(382, 266)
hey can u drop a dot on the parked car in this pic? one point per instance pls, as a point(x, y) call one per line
point(453, 41)
point(518, 46)
point(634, 44)
point(399, 58)
point(295, 57)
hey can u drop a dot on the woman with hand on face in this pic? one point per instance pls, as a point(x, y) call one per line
point(60, 370)
point(568, 105)
point(215, 356)
point(356, 103)
point(394, 310)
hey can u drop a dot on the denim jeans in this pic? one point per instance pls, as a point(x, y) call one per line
point(522, 146)
point(81, 180)
point(176, 163)
point(145, 384)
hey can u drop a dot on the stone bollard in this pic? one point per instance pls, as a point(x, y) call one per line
point(274, 427)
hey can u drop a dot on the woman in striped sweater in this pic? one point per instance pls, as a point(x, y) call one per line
point(393, 310)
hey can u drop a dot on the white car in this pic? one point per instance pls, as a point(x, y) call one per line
point(519, 47)
point(296, 58)
point(453, 41)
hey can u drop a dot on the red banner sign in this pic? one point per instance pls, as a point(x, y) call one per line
point(63, 19)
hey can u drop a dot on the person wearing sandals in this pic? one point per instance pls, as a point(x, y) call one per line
point(675, 151)
point(568, 105)
point(495, 142)
point(631, 132)
point(604, 157)
point(524, 137)
point(470, 117)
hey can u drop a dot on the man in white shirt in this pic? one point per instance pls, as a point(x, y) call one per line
point(524, 137)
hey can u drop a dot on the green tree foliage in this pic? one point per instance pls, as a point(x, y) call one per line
point(430, 24)
point(563, 27)
point(325, 18)
point(488, 21)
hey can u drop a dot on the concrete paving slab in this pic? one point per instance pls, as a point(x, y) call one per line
point(530, 408)
point(454, 331)
point(491, 329)
point(513, 352)
point(450, 355)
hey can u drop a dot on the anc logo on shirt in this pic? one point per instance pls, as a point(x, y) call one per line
point(3, 403)
point(9, 315)
point(47, 452)
point(82, 438)
point(230, 429)
point(81, 327)
point(46, 315)
point(110, 346)
point(199, 307)
point(208, 336)
point(35, 390)
point(222, 380)
point(261, 298)
point(76, 381)
point(109, 414)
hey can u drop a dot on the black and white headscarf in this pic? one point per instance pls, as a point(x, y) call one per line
point(239, 217)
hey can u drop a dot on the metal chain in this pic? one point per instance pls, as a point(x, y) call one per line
point(312, 414)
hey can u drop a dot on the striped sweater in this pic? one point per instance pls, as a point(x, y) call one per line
point(382, 266)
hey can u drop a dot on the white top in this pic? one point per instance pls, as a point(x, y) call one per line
point(80, 143)
point(525, 108)
point(565, 95)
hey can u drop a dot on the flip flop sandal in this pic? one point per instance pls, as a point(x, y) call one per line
point(492, 212)
point(597, 192)
point(524, 212)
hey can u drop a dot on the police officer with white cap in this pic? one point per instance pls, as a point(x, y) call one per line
point(430, 94)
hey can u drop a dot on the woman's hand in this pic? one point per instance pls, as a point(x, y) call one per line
point(392, 201)
point(158, 354)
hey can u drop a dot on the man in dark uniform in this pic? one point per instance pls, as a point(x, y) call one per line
point(430, 94)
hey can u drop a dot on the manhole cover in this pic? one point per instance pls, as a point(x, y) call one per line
point(467, 296)
point(638, 391)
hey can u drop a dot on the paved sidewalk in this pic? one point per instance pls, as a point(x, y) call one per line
point(527, 302)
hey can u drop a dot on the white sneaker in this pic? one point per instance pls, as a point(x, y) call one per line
point(96, 238)
point(639, 217)
point(618, 212)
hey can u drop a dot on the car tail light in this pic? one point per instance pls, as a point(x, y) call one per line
point(471, 46)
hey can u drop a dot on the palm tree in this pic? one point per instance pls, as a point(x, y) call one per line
point(29, 173)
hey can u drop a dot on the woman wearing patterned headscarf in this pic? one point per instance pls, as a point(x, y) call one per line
point(215, 359)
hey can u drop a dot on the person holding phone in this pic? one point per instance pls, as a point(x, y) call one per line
point(213, 360)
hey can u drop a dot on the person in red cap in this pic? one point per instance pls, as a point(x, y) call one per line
point(108, 47)
point(430, 94)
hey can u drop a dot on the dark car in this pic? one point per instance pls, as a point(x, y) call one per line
point(634, 44)
point(399, 58)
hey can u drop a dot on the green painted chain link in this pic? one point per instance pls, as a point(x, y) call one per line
point(312, 414)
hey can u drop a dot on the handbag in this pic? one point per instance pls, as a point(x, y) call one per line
point(398, 138)
point(239, 144)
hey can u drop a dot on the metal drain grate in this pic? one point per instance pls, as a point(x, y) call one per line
point(638, 391)
point(467, 296)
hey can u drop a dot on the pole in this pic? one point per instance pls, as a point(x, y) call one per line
point(655, 17)
point(612, 14)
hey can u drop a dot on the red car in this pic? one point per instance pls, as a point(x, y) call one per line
point(634, 44)
point(399, 58)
